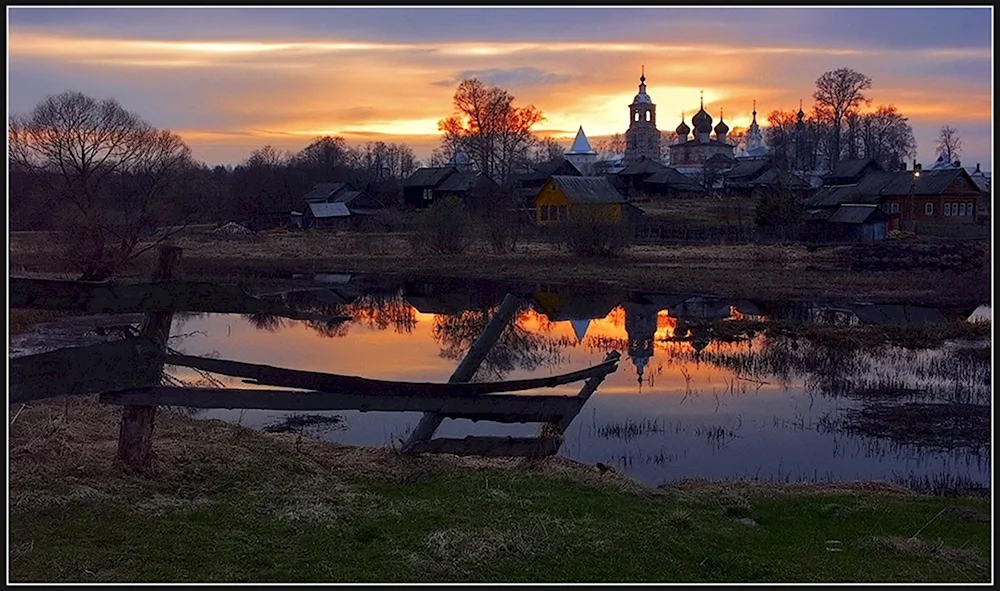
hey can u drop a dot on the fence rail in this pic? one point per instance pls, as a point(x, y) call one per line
point(128, 373)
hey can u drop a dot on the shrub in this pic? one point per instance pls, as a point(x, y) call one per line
point(592, 234)
point(446, 228)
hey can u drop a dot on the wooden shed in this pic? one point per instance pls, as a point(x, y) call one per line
point(590, 198)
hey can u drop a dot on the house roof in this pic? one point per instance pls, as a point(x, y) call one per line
point(673, 178)
point(720, 159)
point(853, 213)
point(460, 181)
point(850, 168)
point(544, 170)
point(323, 191)
point(329, 210)
point(770, 177)
point(748, 169)
point(930, 182)
point(587, 189)
point(643, 166)
point(429, 177)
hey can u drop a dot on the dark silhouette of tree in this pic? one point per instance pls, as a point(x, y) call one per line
point(949, 145)
point(779, 135)
point(489, 129)
point(546, 149)
point(838, 94)
point(610, 146)
point(885, 136)
point(109, 173)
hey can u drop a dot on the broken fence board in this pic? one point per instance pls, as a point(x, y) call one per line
point(490, 446)
point(268, 375)
point(155, 297)
point(82, 370)
point(498, 406)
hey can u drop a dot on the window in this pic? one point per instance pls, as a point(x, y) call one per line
point(428, 194)
point(894, 207)
point(648, 115)
point(928, 209)
point(947, 209)
point(545, 213)
point(637, 115)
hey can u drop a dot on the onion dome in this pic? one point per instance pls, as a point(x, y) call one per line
point(683, 130)
point(721, 128)
point(800, 114)
point(702, 121)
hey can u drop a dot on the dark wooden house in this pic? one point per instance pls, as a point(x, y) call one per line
point(426, 186)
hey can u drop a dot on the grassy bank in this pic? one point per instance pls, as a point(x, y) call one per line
point(228, 504)
point(792, 271)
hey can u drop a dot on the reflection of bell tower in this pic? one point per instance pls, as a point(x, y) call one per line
point(640, 325)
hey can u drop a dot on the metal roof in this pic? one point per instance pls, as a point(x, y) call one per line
point(852, 213)
point(459, 182)
point(329, 210)
point(580, 144)
point(588, 189)
point(643, 166)
point(429, 177)
point(323, 191)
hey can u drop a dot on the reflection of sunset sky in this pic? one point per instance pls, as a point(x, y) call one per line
point(231, 81)
point(772, 429)
point(367, 351)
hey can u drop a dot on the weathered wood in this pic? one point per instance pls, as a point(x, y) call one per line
point(556, 428)
point(489, 446)
point(310, 380)
point(82, 370)
point(160, 296)
point(467, 368)
point(514, 406)
point(135, 433)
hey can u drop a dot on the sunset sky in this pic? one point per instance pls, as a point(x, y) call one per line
point(233, 80)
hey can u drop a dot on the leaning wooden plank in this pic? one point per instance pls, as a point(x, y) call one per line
point(558, 427)
point(81, 370)
point(468, 366)
point(159, 296)
point(490, 446)
point(537, 408)
point(268, 375)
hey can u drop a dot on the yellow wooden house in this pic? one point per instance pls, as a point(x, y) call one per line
point(581, 198)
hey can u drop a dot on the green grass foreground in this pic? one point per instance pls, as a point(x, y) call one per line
point(225, 503)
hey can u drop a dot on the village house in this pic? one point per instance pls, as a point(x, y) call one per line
point(910, 198)
point(527, 184)
point(427, 186)
point(326, 216)
point(590, 198)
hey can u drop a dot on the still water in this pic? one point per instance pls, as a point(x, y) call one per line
point(681, 404)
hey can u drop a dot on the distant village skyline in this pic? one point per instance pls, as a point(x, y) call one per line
point(231, 81)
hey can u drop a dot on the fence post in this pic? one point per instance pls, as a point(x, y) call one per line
point(467, 368)
point(135, 434)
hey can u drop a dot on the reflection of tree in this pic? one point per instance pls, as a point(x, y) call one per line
point(262, 321)
point(381, 312)
point(330, 328)
point(517, 347)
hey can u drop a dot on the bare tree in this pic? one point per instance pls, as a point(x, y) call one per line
point(611, 146)
point(546, 149)
point(885, 136)
point(949, 145)
point(838, 94)
point(779, 135)
point(489, 129)
point(109, 171)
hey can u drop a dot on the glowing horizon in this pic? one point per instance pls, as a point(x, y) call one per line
point(285, 76)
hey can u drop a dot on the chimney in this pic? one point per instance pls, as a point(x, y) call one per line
point(977, 167)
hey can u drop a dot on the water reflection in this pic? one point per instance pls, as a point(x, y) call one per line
point(693, 399)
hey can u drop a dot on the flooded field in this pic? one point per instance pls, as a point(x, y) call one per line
point(688, 399)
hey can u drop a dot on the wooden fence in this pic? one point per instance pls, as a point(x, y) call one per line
point(129, 372)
